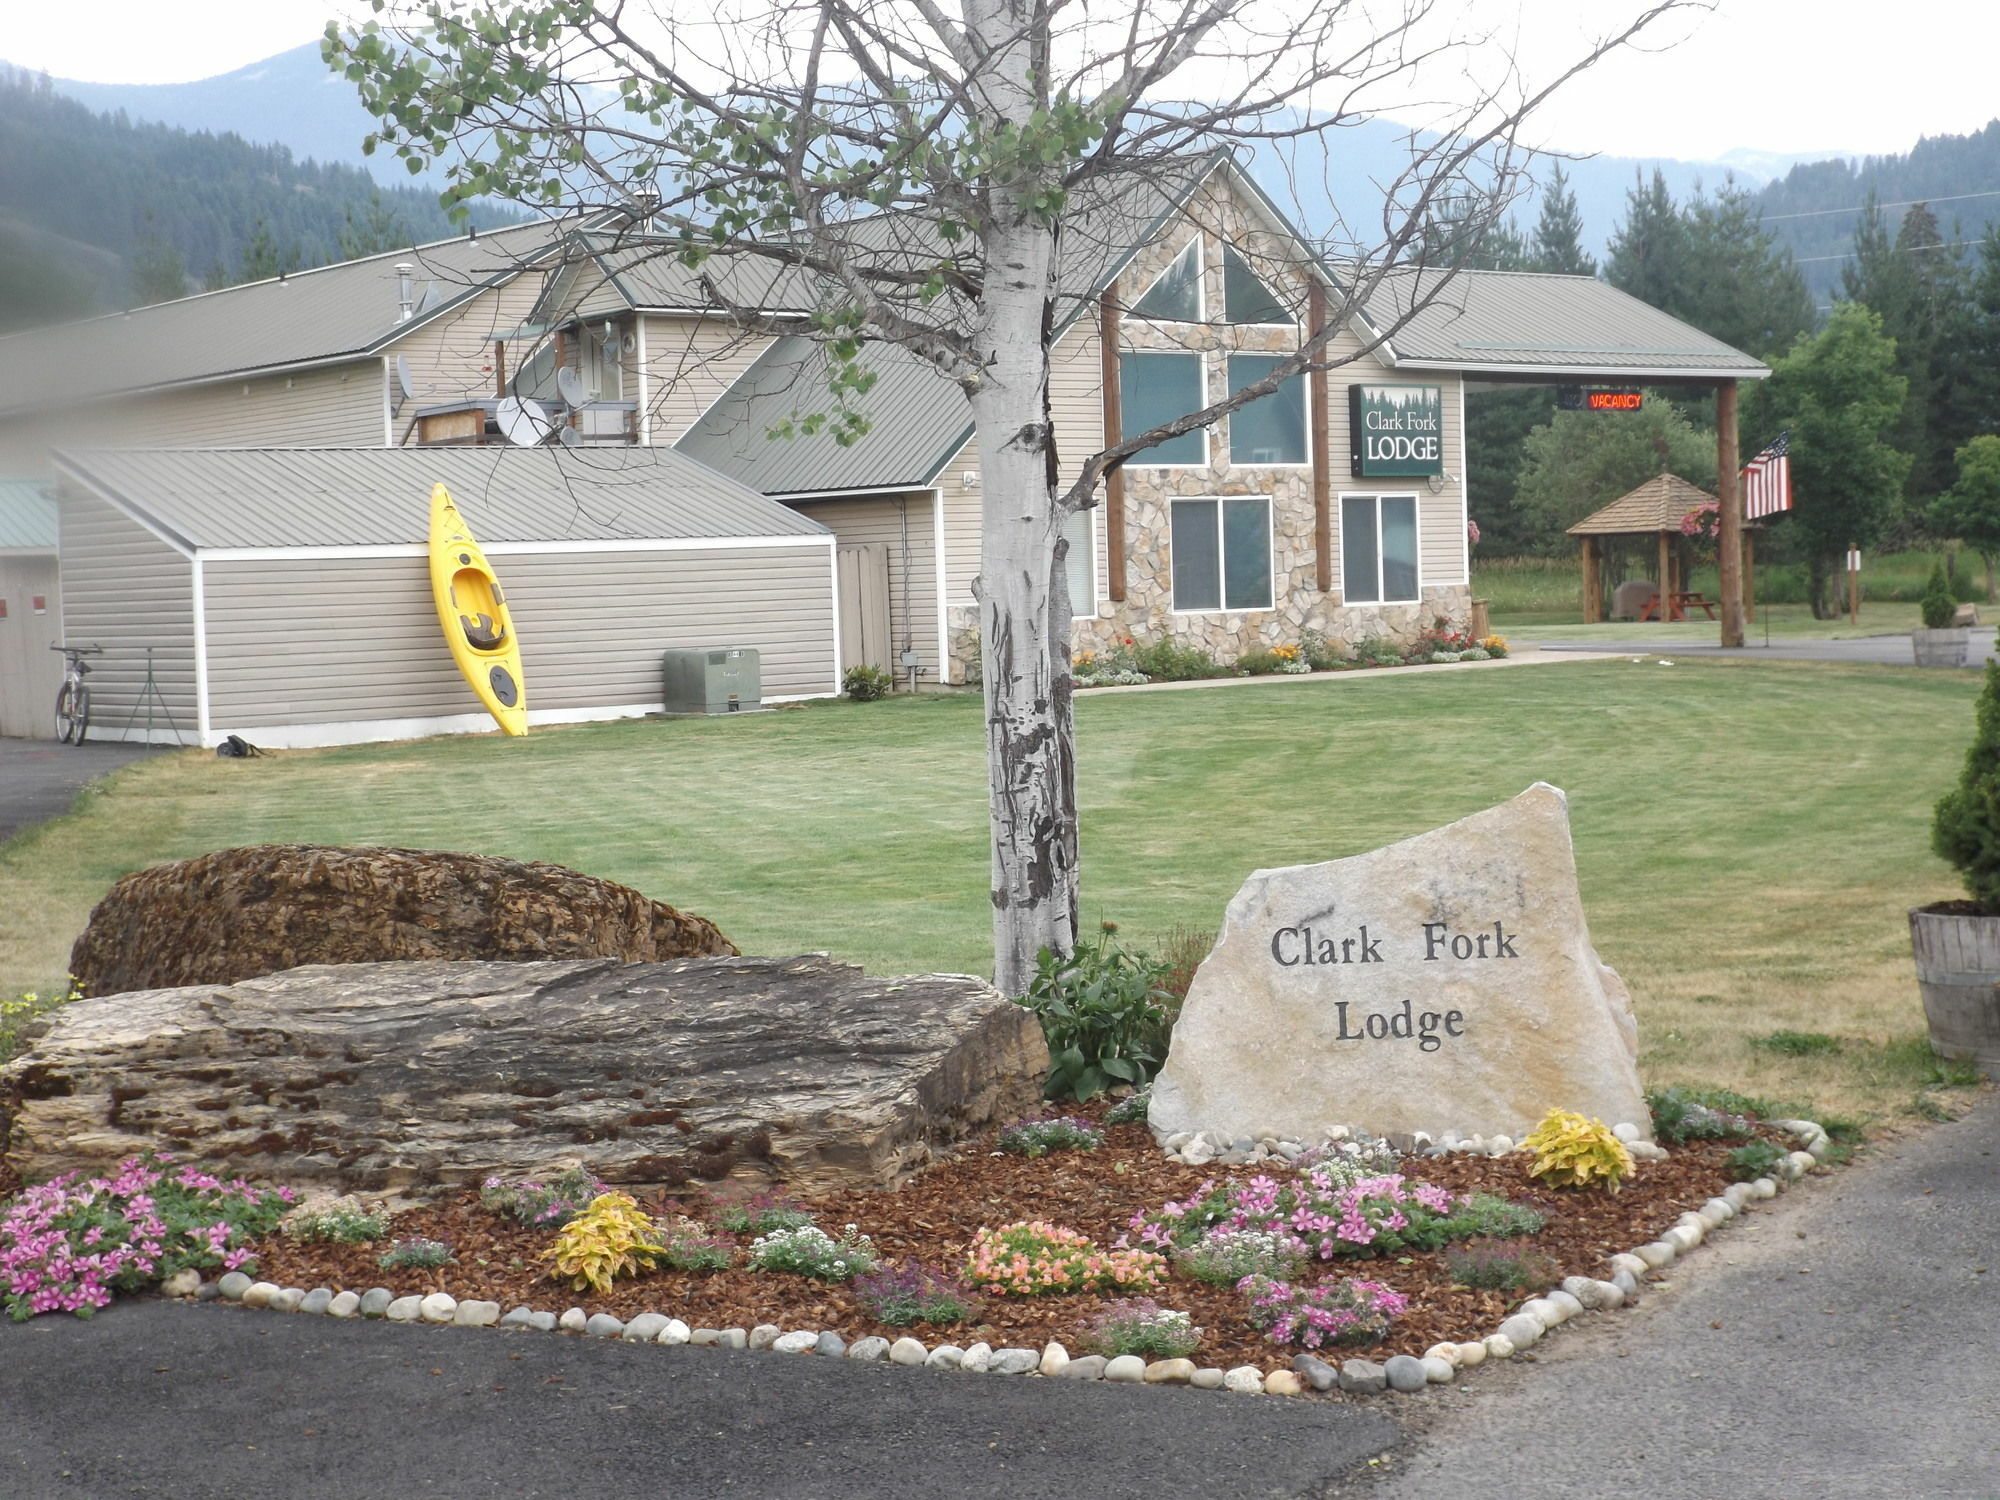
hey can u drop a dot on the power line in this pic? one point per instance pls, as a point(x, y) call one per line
point(1816, 213)
point(1807, 260)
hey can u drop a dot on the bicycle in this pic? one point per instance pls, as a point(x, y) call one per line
point(73, 698)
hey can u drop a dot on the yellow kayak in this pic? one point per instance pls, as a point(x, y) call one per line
point(473, 611)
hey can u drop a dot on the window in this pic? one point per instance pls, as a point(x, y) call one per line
point(1272, 429)
point(1156, 388)
point(1245, 298)
point(1080, 562)
point(1222, 554)
point(1176, 296)
point(1378, 549)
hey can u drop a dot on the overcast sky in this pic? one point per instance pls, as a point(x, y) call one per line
point(1772, 75)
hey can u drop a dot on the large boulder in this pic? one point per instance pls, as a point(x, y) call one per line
point(1444, 983)
point(238, 913)
point(408, 1077)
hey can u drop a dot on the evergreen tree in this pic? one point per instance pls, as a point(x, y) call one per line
point(1738, 285)
point(158, 273)
point(1580, 461)
point(1557, 243)
point(263, 257)
point(1649, 251)
point(1970, 509)
point(376, 229)
point(1840, 397)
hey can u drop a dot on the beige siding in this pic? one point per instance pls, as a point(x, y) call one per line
point(451, 357)
point(905, 524)
point(1440, 512)
point(356, 639)
point(124, 589)
point(690, 362)
point(337, 407)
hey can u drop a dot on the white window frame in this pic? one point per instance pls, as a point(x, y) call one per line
point(1378, 496)
point(1305, 396)
point(1222, 561)
point(1083, 610)
point(1146, 460)
point(1200, 287)
point(1294, 324)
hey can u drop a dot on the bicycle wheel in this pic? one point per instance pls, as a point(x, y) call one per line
point(72, 713)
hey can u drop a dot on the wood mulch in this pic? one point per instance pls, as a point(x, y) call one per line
point(933, 1217)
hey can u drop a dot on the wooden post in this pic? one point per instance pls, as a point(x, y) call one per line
point(1853, 584)
point(1750, 576)
point(1114, 429)
point(1666, 579)
point(500, 368)
point(1593, 590)
point(1729, 491)
point(1322, 442)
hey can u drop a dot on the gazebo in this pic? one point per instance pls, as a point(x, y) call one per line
point(1654, 509)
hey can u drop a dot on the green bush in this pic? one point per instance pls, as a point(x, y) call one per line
point(1758, 1159)
point(1105, 1014)
point(1937, 606)
point(866, 684)
point(1167, 661)
point(334, 1221)
point(1681, 1115)
point(1965, 829)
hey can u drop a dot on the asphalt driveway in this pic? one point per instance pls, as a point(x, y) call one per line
point(39, 779)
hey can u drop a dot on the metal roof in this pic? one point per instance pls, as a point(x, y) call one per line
point(342, 311)
point(918, 420)
point(1533, 322)
point(208, 498)
point(27, 515)
point(1656, 505)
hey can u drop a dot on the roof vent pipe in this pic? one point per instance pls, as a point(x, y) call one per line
point(406, 307)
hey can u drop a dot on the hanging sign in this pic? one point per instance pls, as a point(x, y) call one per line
point(1395, 431)
point(1577, 398)
point(1854, 559)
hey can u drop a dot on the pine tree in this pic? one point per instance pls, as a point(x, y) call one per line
point(158, 274)
point(1557, 243)
point(1649, 251)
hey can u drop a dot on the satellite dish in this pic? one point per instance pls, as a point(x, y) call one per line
point(520, 423)
point(569, 436)
point(629, 344)
point(405, 383)
point(569, 385)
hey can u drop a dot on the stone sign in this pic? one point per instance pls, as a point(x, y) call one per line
point(1443, 983)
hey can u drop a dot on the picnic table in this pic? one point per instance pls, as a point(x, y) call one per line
point(1678, 606)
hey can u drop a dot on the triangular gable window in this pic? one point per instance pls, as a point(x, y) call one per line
point(1245, 298)
point(1176, 296)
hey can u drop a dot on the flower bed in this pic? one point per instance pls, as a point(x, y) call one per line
point(936, 1220)
point(1132, 662)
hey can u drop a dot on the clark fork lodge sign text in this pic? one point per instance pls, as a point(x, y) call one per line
point(1295, 946)
point(1396, 431)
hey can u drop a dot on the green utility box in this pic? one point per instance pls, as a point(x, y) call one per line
point(712, 680)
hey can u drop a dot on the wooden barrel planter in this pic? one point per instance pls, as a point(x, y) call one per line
point(1938, 648)
point(1958, 971)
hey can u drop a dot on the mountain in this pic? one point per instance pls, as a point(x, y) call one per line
point(97, 210)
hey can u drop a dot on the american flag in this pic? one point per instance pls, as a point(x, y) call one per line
point(1767, 480)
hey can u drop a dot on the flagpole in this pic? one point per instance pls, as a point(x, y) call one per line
point(1729, 494)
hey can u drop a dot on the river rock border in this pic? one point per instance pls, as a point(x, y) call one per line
point(1404, 1373)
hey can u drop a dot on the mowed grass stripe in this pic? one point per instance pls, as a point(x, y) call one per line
point(1748, 835)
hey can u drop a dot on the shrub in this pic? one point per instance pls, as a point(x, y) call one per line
point(1132, 1109)
point(760, 1213)
point(811, 1251)
point(1493, 645)
point(1139, 1325)
point(1571, 1151)
point(1680, 1115)
point(1223, 1257)
point(1027, 1259)
point(417, 1253)
point(1348, 1311)
point(1104, 1013)
point(1482, 1215)
point(1502, 1266)
point(1350, 1160)
point(1319, 653)
point(538, 1206)
point(338, 1221)
point(15, 1016)
point(689, 1246)
point(612, 1237)
point(1181, 952)
point(1263, 663)
point(911, 1292)
point(1032, 1138)
point(1937, 605)
point(864, 684)
point(1755, 1160)
point(1165, 660)
point(68, 1244)
point(1797, 1043)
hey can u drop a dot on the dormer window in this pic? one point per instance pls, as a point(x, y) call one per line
point(1175, 297)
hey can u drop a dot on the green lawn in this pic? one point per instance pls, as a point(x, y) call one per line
point(1749, 836)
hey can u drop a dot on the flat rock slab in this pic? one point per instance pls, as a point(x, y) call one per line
point(1444, 983)
point(410, 1077)
point(237, 913)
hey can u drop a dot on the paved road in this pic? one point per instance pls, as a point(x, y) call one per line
point(1841, 1344)
point(1872, 650)
point(39, 779)
point(219, 1403)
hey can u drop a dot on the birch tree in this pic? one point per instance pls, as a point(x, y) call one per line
point(922, 164)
